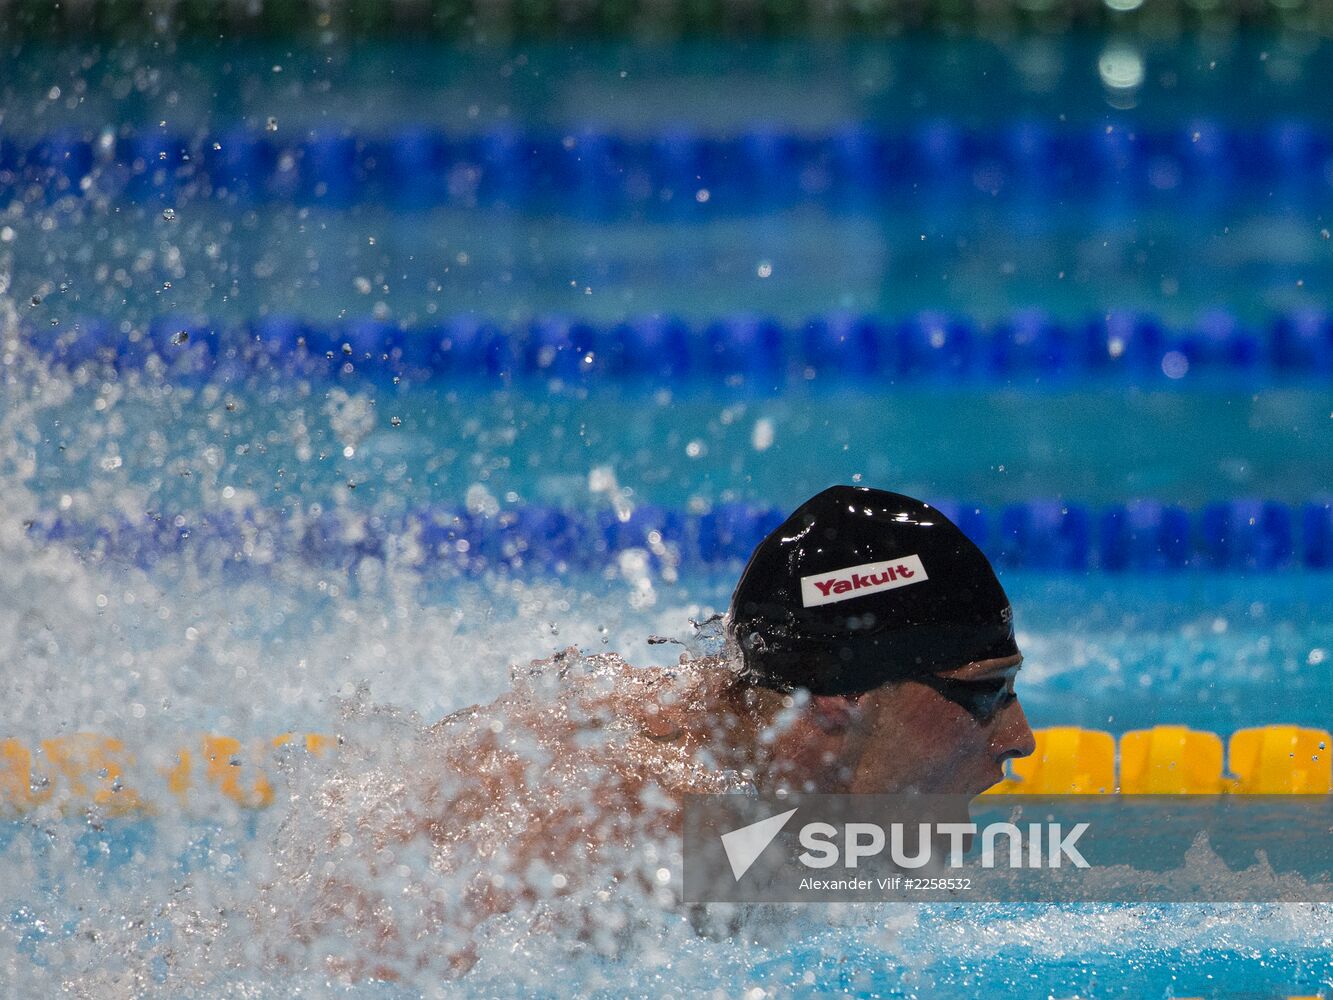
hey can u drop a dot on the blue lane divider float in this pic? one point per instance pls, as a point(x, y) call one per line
point(1053, 536)
point(590, 170)
point(754, 350)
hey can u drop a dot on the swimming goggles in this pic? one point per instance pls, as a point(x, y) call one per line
point(982, 699)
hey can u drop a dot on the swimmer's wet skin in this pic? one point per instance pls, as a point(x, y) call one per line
point(877, 654)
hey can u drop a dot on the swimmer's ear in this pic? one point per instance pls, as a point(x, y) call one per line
point(834, 712)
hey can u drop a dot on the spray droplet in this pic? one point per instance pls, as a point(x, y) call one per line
point(36, 300)
point(396, 421)
point(761, 438)
point(180, 337)
point(169, 214)
point(271, 124)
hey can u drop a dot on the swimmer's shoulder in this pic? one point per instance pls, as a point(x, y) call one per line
point(600, 690)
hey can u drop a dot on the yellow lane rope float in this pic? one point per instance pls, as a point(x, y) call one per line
point(82, 770)
point(90, 770)
point(1174, 760)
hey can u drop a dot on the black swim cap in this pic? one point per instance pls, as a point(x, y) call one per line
point(859, 587)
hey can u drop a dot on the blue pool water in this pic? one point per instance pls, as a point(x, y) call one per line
point(988, 446)
point(139, 902)
point(267, 640)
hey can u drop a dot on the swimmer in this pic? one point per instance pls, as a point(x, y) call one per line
point(892, 622)
point(872, 650)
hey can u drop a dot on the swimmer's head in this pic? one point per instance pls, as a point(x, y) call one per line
point(861, 587)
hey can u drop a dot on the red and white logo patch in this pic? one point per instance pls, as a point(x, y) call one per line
point(858, 581)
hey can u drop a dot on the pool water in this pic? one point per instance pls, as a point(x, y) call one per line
point(675, 448)
point(1172, 243)
point(160, 906)
point(156, 651)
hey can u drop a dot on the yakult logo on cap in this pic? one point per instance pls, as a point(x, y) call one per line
point(857, 581)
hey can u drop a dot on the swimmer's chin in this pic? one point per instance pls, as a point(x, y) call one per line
point(991, 783)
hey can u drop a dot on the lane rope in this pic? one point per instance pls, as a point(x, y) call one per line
point(680, 173)
point(72, 774)
point(750, 352)
point(1140, 537)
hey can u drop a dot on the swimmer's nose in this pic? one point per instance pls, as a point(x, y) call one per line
point(1014, 737)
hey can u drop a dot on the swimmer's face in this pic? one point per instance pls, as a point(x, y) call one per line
point(948, 734)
